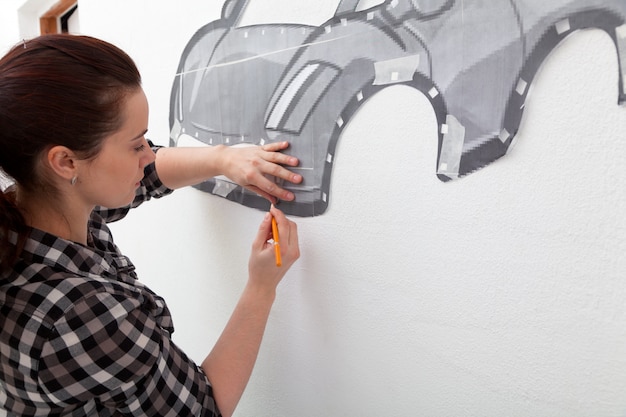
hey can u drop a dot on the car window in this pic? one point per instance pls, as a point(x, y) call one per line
point(428, 6)
point(366, 4)
point(424, 6)
point(304, 12)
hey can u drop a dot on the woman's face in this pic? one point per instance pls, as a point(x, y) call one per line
point(112, 177)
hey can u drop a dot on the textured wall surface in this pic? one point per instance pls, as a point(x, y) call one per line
point(500, 294)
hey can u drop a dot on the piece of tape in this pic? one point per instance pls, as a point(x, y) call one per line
point(504, 135)
point(562, 26)
point(176, 131)
point(521, 87)
point(451, 148)
point(223, 186)
point(620, 33)
point(396, 70)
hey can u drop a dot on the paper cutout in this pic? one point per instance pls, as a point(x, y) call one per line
point(473, 60)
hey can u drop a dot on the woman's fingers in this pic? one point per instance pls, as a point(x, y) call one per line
point(288, 235)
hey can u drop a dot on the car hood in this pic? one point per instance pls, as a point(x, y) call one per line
point(235, 72)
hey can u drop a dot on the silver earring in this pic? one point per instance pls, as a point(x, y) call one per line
point(73, 180)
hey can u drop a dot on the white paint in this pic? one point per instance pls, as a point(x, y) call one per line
point(499, 294)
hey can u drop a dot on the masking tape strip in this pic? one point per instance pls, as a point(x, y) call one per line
point(504, 135)
point(451, 148)
point(521, 87)
point(176, 131)
point(396, 70)
point(620, 33)
point(562, 26)
point(223, 186)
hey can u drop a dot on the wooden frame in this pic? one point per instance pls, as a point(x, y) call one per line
point(49, 22)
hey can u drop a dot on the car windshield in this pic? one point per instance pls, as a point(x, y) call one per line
point(312, 13)
point(315, 13)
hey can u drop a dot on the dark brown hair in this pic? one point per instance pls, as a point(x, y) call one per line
point(55, 89)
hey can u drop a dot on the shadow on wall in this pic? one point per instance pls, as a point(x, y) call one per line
point(473, 61)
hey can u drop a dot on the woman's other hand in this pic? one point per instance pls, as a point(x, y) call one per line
point(264, 273)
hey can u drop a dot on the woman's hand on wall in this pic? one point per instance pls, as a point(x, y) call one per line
point(251, 166)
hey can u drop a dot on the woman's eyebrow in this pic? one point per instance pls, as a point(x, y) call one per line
point(140, 135)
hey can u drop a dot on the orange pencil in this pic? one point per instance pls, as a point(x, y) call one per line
point(276, 242)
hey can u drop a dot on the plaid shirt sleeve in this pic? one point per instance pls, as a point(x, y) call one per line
point(109, 346)
point(151, 187)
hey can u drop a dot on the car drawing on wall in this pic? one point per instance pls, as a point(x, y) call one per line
point(473, 60)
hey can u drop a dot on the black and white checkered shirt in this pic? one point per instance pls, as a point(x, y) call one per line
point(81, 336)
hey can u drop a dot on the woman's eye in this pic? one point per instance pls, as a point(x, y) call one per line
point(140, 148)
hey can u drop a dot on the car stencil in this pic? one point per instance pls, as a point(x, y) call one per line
point(473, 60)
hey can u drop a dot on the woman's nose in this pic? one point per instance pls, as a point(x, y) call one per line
point(149, 156)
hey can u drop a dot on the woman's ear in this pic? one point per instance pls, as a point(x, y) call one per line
point(62, 161)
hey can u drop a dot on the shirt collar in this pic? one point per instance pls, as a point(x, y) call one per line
point(99, 259)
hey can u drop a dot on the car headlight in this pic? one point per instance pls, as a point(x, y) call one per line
point(299, 98)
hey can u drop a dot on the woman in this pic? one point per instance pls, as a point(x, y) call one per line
point(80, 334)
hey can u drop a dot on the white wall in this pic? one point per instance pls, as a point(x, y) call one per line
point(9, 28)
point(500, 294)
